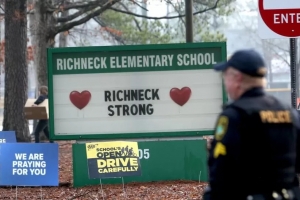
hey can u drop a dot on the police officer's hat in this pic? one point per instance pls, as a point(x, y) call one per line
point(246, 61)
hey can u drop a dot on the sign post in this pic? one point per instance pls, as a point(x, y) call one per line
point(281, 19)
point(189, 21)
point(294, 72)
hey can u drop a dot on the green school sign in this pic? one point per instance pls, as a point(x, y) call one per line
point(141, 91)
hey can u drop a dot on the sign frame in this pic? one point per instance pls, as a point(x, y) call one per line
point(107, 49)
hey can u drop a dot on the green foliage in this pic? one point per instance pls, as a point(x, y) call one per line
point(206, 25)
point(136, 31)
point(212, 36)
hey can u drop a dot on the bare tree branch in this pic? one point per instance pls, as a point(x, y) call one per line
point(140, 6)
point(177, 10)
point(277, 46)
point(208, 3)
point(78, 5)
point(70, 25)
point(75, 15)
point(116, 37)
point(165, 17)
point(135, 20)
point(272, 47)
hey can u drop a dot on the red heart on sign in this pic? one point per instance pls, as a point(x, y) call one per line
point(80, 100)
point(180, 96)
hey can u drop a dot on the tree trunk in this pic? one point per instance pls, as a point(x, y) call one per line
point(16, 77)
point(32, 29)
point(44, 21)
point(47, 29)
point(63, 36)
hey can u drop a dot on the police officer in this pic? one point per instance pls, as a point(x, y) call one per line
point(253, 153)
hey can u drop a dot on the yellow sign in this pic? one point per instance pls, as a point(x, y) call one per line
point(113, 159)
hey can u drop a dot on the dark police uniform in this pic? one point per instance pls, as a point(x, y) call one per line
point(254, 154)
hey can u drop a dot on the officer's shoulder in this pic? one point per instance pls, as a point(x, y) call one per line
point(230, 112)
point(228, 119)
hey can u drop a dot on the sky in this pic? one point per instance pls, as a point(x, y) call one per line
point(158, 8)
point(282, 4)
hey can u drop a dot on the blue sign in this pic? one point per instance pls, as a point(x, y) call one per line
point(29, 164)
point(8, 137)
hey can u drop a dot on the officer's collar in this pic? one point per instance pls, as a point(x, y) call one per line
point(254, 92)
point(257, 91)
